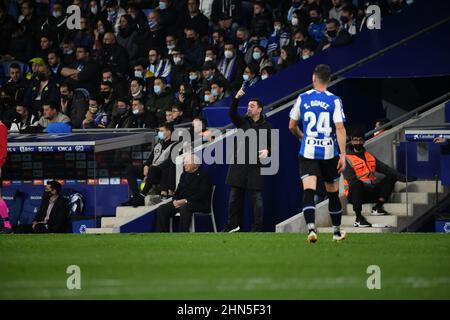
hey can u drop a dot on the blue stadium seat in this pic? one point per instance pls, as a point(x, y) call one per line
point(14, 201)
point(30, 207)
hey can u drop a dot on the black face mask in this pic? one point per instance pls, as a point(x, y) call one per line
point(314, 19)
point(299, 43)
point(105, 94)
point(64, 97)
point(332, 34)
point(358, 147)
point(47, 194)
point(344, 19)
point(42, 76)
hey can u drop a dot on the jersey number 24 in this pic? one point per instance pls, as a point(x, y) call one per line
point(317, 125)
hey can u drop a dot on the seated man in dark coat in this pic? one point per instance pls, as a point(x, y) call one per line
point(53, 215)
point(193, 194)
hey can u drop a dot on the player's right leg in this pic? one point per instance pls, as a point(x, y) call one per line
point(5, 217)
point(308, 173)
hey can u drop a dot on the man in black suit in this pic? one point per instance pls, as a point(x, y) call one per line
point(53, 215)
point(193, 194)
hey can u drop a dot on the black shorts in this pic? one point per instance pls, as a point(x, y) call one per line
point(325, 169)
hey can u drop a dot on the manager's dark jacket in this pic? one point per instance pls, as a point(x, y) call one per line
point(59, 216)
point(247, 176)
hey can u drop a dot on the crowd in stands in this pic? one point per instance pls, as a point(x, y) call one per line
point(138, 64)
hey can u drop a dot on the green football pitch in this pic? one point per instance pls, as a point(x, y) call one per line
point(225, 266)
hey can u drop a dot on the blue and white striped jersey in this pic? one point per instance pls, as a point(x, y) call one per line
point(318, 112)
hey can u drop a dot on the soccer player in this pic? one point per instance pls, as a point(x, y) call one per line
point(322, 150)
point(3, 208)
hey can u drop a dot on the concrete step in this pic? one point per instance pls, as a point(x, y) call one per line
point(398, 209)
point(112, 222)
point(100, 230)
point(130, 212)
point(419, 186)
point(413, 197)
point(391, 220)
point(351, 230)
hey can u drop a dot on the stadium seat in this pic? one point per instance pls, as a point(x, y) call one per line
point(210, 213)
point(30, 208)
point(14, 201)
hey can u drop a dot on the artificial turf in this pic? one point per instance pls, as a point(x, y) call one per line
point(224, 266)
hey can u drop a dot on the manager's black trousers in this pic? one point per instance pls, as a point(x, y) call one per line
point(360, 193)
point(236, 208)
point(133, 173)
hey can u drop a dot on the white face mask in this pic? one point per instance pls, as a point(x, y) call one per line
point(208, 59)
point(305, 56)
point(177, 60)
point(264, 76)
point(170, 47)
point(135, 111)
point(138, 74)
point(94, 10)
point(294, 21)
point(57, 14)
point(228, 54)
point(136, 94)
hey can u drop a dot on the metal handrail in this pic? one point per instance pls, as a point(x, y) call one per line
point(408, 115)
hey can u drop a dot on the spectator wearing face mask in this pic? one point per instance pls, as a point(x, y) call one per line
point(168, 15)
point(299, 21)
point(74, 104)
point(155, 170)
point(335, 36)
point(287, 58)
point(68, 56)
point(308, 51)
point(171, 43)
point(24, 118)
point(43, 88)
point(114, 13)
point(218, 90)
point(218, 42)
point(179, 70)
point(96, 117)
point(109, 97)
point(260, 57)
point(267, 72)
point(317, 27)
point(210, 55)
point(153, 36)
point(297, 5)
point(250, 76)
point(300, 40)
point(210, 74)
point(161, 99)
point(244, 43)
point(232, 66)
point(137, 15)
point(53, 214)
point(137, 89)
point(119, 84)
point(121, 116)
point(279, 38)
point(348, 19)
point(362, 185)
point(188, 100)
point(140, 118)
point(194, 49)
